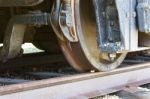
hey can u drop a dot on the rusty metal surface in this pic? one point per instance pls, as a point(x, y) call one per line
point(11, 3)
point(75, 56)
point(62, 20)
point(66, 16)
point(80, 86)
point(86, 31)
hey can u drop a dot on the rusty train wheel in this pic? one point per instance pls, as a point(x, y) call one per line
point(85, 55)
point(85, 23)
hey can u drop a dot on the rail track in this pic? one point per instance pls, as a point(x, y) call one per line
point(66, 83)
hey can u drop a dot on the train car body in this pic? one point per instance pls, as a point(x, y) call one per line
point(92, 34)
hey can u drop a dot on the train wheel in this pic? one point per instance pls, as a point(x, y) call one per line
point(85, 23)
point(85, 54)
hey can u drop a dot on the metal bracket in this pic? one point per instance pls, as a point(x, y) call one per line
point(14, 34)
point(128, 24)
point(109, 36)
point(116, 25)
point(66, 21)
point(16, 3)
point(62, 20)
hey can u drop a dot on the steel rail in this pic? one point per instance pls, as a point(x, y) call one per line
point(81, 86)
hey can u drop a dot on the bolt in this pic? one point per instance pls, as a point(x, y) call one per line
point(112, 56)
point(134, 14)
